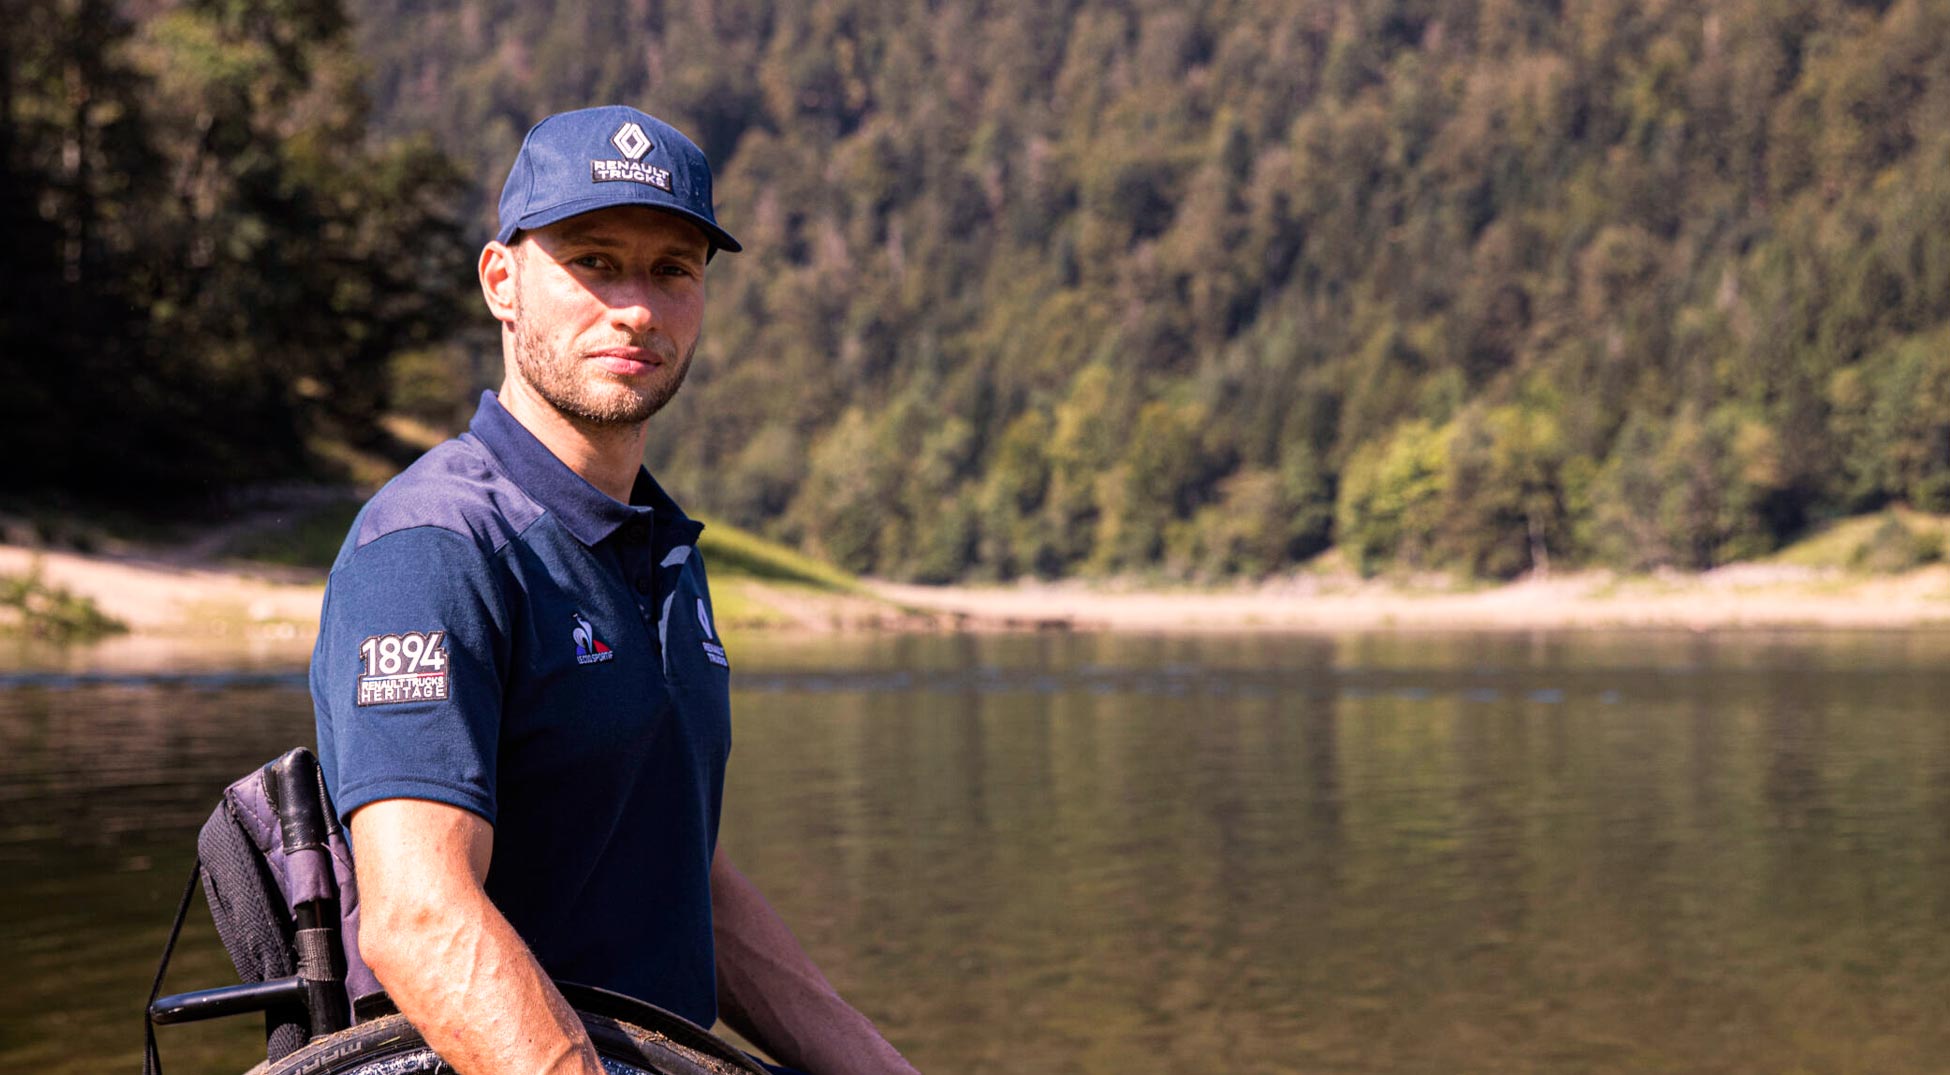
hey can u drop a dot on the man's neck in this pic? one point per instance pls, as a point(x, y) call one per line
point(606, 457)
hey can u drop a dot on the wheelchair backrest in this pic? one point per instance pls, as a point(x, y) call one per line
point(277, 873)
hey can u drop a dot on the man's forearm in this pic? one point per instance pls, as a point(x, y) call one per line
point(448, 958)
point(770, 991)
point(479, 998)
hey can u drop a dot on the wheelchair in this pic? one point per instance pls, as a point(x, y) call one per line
point(277, 873)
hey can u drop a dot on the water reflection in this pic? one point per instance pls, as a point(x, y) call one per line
point(1085, 853)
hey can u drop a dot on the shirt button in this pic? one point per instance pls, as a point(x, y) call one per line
point(635, 533)
point(643, 584)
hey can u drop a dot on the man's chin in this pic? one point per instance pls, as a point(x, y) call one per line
point(620, 407)
point(597, 400)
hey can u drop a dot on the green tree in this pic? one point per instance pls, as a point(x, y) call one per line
point(1508, 508)
point(1391, 497)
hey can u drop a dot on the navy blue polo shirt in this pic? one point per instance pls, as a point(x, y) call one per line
point(501, 636)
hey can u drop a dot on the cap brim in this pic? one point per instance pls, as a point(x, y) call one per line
point(542, 218)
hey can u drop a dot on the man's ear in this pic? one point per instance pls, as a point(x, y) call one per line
point(497, 271)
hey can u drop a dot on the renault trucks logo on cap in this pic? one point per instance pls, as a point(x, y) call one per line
point(630, 140)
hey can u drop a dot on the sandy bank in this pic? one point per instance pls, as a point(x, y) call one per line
point(1732, 597)
point(159, 598)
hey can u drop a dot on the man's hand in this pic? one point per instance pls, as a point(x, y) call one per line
point(770, 991)
point(449, 960)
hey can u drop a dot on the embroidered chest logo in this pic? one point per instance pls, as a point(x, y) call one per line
point(409, 667)
point(711, 649)
point(589, 648)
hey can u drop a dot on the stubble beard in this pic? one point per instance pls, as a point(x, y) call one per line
point(597, 401)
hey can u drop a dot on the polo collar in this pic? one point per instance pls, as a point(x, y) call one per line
point(586, 512)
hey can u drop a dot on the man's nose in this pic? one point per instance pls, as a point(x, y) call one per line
point(633, 307)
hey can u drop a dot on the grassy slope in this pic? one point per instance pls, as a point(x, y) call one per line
point(749, 574)
point(1895, 539)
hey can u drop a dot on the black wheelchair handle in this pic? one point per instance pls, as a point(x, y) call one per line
point(297, 790)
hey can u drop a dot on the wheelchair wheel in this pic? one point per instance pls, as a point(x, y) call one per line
point(631, 1038)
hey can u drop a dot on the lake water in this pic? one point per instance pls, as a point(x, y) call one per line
point(1095, 854)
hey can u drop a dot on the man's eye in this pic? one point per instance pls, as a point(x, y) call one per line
point(589, 261)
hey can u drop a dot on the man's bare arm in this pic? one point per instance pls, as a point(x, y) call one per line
point(449, 960)
point(770, 991)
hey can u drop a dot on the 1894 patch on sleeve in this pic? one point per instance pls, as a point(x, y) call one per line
point(409, 667)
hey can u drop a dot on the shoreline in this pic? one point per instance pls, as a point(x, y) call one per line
point(1738, 597)
point(159, 599)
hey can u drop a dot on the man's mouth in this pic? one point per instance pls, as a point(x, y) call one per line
point(626, 361)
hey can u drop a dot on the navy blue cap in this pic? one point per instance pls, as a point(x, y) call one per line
point(576, 162)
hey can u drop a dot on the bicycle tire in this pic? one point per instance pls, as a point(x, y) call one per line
point(631, 1038)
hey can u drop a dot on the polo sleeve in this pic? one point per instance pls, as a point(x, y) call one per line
point(406, 677)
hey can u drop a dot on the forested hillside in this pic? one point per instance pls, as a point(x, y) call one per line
point(1203, 287)
point(1107, 286)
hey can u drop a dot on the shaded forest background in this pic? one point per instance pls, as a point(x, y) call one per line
point(1192, 289)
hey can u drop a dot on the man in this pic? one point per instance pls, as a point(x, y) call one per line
point(522, 705)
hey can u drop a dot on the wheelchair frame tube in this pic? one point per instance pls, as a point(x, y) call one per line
point(228, 1000)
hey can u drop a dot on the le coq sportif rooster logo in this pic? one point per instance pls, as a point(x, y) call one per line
point(589, 648)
